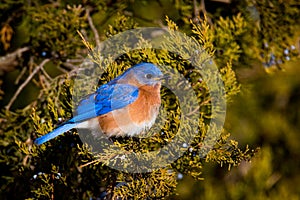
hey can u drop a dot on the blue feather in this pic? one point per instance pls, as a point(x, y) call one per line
point(108, 97)
point(58, 131)
point(105, 99)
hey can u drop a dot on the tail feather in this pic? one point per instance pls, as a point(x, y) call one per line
point(58, 131)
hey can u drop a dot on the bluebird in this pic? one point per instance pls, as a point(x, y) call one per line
point(125, 106)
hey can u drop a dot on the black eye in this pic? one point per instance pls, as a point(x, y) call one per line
point(149, 76)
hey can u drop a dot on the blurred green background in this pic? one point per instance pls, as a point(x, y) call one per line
point(265, 114)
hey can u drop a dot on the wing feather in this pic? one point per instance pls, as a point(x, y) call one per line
point(107, 98)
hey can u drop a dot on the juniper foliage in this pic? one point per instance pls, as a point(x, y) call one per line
point(255, 40)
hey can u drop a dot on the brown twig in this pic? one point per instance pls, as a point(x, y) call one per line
point(89, 163)
point(9, 61)
point(196, 9)
point(20, 76)
point(46, 74)
point(25, 83)
point(200, 9)
point(96, 34)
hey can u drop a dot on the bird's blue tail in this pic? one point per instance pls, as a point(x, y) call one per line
point(59, 130)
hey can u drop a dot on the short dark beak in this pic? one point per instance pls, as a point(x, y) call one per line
point(164, 77)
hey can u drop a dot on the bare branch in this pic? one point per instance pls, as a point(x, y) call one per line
point(96, 34)
point(25, 83)
point(20, 76)
point(196, 9)
point(9, 62)
point(46, 74)
point(200, 9)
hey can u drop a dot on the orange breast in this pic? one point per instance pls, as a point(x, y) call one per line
point(134, 118)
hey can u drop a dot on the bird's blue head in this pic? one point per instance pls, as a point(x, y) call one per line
point(145, 73)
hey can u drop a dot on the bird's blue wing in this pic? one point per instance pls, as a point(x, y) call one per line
point(58, 131)
point(108, 97)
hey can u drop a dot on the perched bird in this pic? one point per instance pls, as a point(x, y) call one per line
point(125, 106)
